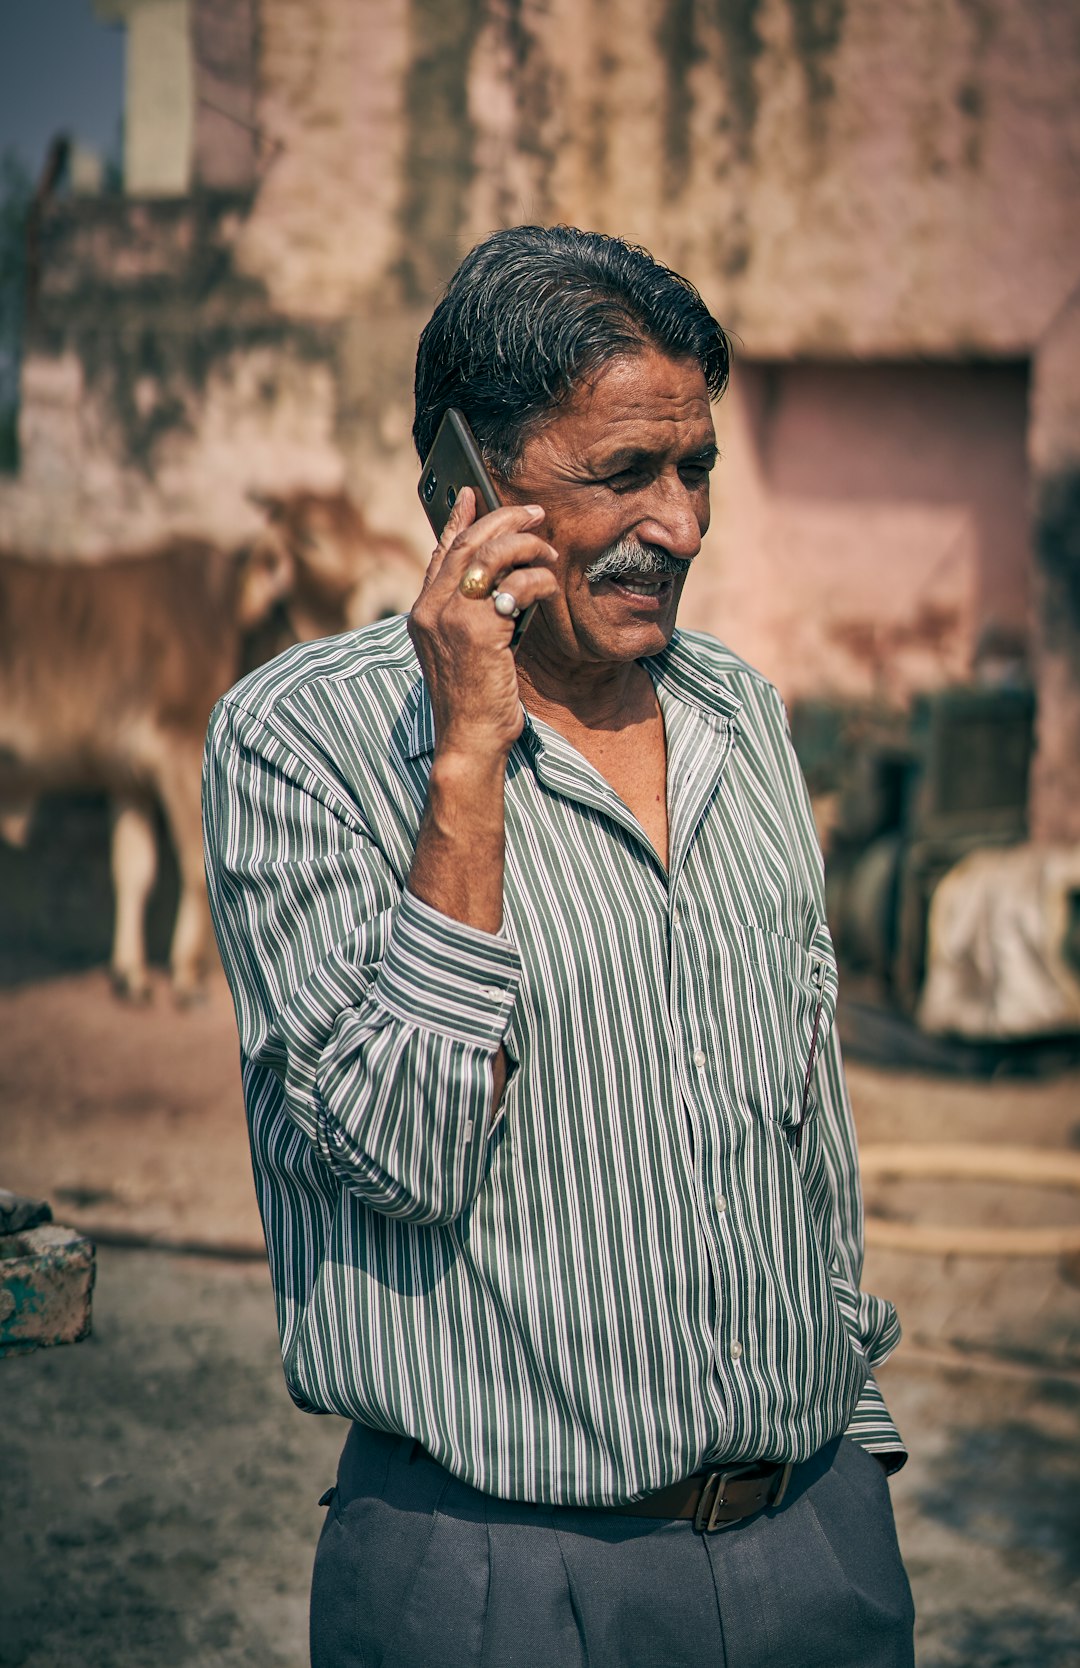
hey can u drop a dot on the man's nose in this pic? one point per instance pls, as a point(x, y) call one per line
point(675, 519)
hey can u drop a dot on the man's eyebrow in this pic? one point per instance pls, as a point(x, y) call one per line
point(631, 457)
point(612, 463)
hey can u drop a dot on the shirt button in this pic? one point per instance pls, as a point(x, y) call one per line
point(676, 915)
point(736, 1349)
point(721, 1203)
point(493, 993)
point(699, 1056)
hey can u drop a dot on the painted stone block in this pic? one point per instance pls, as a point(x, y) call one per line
point(46, 1278)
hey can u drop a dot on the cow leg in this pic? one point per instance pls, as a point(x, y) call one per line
point(180, 790)
point(15, 821)
point(134, 867)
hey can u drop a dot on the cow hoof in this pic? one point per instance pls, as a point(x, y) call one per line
point(188, 995)
point(131, 987)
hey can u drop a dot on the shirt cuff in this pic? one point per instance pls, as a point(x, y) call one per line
point(448, 977)
point(872, 1427)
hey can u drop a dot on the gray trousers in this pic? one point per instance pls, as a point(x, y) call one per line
point(417, 1570)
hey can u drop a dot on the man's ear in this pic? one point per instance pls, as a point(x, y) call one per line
point(267, 577)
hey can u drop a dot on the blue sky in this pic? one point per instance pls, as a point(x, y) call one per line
point(60, 71)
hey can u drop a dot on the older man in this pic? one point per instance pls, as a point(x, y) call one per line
point(535, 998)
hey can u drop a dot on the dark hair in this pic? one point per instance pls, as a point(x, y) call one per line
point(532, 310)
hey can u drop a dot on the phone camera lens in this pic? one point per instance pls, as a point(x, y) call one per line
point(430, 483)
point(451, 494)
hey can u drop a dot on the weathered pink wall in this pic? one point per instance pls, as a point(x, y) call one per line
point(223, 38)
point(871, 523)
point(1055, 458)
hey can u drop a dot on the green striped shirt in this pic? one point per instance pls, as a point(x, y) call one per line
point(636, 1268)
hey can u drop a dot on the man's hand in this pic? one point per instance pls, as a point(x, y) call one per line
point(462, 644)
point(463, 647)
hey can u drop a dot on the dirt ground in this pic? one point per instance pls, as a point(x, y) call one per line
point(158, 1490)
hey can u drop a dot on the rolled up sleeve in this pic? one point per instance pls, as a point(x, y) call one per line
point(380, 1016)
point(871, 1425)
point(405, 1081)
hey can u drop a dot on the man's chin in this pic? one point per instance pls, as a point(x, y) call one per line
point(635, 638)
point(625, 608)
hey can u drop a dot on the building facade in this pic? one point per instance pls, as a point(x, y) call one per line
point(877, 200)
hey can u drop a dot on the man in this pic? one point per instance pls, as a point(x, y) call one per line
point(535, 998)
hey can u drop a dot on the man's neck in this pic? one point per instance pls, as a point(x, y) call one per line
point(614, 722)
point(606, 697)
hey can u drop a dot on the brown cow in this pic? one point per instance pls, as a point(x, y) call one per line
point(341, 568)
point(108, 672)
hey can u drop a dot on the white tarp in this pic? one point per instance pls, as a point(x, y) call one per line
point(996, 963)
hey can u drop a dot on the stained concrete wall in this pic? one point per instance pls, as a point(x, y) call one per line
point(160, 386)
point(856, 185)
point(864, 178)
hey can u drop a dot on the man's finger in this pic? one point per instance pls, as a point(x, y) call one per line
point(523, 587)
point(461, 516)
point(500, 540)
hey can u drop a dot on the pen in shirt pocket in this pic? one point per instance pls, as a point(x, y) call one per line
point(818, 976)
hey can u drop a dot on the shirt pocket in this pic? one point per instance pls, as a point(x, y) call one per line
point(782, 1007)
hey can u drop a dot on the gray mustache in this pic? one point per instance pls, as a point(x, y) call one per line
point(647, 561)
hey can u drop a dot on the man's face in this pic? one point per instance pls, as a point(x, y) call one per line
point(625, 463)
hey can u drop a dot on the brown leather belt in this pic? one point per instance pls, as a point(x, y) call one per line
point(714, 1499)
point(717, 1498)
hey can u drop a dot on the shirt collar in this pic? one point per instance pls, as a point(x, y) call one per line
point(696, 678)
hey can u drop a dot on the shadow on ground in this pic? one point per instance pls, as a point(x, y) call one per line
point(159, 1488)
point(1018, 1639)
point(56, 893)
point(1013, 1488)
point(988, 1519)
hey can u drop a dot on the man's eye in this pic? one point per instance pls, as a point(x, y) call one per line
point(694, 474)
point(625, 481)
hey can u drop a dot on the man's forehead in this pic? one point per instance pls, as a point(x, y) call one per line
point(641, 403)
point(643, 387)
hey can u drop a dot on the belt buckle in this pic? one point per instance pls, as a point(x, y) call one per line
point(713, 1498)
point(706, 1521)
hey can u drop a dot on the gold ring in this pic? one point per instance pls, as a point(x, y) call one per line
point(475, 584)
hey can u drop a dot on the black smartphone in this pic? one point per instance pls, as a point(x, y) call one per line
point(454, 462)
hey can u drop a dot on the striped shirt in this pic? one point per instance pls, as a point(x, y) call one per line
point(641, 1264)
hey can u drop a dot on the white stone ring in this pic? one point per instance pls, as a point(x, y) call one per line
point(506, 605)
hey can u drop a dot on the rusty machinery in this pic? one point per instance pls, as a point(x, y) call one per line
point(901, 798)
